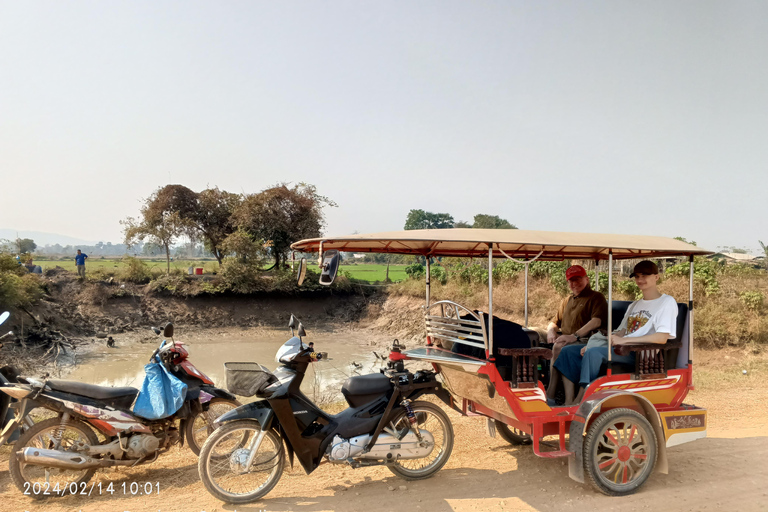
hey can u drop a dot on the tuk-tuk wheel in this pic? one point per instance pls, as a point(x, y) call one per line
point(619, 452)
point(511, 434)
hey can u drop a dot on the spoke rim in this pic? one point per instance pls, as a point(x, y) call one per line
point(621, 454)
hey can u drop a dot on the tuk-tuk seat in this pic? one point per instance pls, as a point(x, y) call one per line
point(650, 358)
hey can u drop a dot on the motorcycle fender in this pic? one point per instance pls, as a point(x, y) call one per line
point(259, 411)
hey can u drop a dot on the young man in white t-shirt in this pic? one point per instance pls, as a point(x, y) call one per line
point(652, 319)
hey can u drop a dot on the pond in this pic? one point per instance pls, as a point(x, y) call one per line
point(350, 352)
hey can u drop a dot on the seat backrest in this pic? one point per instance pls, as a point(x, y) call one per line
point(671, 357)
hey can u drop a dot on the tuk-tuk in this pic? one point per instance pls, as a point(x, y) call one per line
point(628, 417)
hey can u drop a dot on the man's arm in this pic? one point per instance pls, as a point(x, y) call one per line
point(658, 338)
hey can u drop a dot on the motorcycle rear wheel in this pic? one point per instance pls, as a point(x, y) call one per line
point(431, 418)
point(41, 482)
point(200, 426)
point(221, 461)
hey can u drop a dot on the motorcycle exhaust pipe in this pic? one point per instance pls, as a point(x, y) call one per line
point(59, 460)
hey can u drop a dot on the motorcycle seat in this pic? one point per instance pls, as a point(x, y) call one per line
point(366, 384)
point(91, 390)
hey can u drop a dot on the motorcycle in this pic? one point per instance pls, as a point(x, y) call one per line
point(384, 424)
point(59, 455)
point(8, 375)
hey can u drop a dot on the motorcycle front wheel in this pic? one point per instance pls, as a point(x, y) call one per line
point(223, 463)
point(200, 426)
point(431, 418)
point(43, 482)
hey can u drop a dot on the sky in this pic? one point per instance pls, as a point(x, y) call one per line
point(592, 116)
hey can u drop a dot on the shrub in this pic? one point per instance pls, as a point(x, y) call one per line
point(752, 300)
point(507, 270)
point(704, 271)
point(239, 276)
point(135, 270)
point(629, 288)
point(19, 290)
point(415, 271)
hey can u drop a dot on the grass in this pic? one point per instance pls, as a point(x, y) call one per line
point(363, 272)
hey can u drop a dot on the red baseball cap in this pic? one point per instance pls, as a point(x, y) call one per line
point(575, 271)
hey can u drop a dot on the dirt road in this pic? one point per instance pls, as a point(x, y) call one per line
point(726, 471)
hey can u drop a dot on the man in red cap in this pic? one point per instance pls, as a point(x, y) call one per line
point(580, 314)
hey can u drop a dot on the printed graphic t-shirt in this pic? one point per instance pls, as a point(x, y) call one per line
point(651, 316)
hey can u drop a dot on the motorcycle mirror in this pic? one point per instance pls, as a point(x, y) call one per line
point(329, 267)
point(301, 272)
point(300, 331)
point(292, 322)
point(4, 316)
point(168, 330)
point(156, 330)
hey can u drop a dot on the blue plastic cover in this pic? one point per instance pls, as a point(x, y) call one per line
point(161, 394)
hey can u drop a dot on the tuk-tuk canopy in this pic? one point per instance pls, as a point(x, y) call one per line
point(516, 243)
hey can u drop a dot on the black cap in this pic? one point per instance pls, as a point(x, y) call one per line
point(645, 267)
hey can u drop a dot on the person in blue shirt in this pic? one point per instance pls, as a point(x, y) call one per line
point(80, 263)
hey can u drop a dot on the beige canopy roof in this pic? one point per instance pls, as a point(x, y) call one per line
point(516, 243)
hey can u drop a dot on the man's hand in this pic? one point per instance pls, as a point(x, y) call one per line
point(551, 336)
point(566, 339)
point(583, 349)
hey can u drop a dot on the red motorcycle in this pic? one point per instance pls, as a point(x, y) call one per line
point(59, 455)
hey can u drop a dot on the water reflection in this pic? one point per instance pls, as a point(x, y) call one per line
point(350, 353)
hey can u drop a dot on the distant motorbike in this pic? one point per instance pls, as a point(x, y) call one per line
point(384, 425)
point(59, 455)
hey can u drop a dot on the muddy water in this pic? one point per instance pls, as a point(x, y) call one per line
point(350, 353)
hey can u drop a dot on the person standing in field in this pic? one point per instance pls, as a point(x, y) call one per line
point(80, 263)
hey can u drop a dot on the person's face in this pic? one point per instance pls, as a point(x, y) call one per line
point(78, 251)
point(646, 281)
point(577, 284)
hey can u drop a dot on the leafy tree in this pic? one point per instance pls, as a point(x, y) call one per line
point(26, 245)
point(483, 221)
point(282, 215)
point(212, 220)
point(419, 219)
point(462, 224)
point(165, 216)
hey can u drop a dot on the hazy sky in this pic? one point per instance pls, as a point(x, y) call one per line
point(615, 116)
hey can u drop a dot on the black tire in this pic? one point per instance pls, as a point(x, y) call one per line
point(22, 473)
point(511, 434)
point(198, 427)
point(620, 452)
point(431, 418)
point(220, 472)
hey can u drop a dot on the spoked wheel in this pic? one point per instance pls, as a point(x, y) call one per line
point(432, 419)
point(200, 426)
point(511, 434)
point(619, 452)
point(223, 464)
point(42, 482)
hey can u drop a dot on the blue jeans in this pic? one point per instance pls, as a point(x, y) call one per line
point(585, 369)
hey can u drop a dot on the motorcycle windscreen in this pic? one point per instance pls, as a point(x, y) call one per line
point(289, 350)
point(161, 394)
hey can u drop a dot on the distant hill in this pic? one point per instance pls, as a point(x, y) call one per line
point(43, 239)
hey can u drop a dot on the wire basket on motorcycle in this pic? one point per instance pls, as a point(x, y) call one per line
point(247, 379)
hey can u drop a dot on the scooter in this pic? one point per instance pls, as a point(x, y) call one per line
point(59, 455)
point(384, 425)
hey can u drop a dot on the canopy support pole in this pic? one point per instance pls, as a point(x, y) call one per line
point(690, 317)
point(428, 280)
point(489, 355)
point(526, 293)
point(597, 276)
point(610, 307)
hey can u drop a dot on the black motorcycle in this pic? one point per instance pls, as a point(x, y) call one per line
point(383, 425)
point(59, 455)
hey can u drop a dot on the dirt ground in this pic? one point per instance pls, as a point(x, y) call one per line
point(725, 471)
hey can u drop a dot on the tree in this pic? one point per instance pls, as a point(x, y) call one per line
point(165, 216)
point(462, 224)
point(765, 250)
point(483, 221)
point(282, 215)
point(419, 219)
point(26, 245)
point(213, 220)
